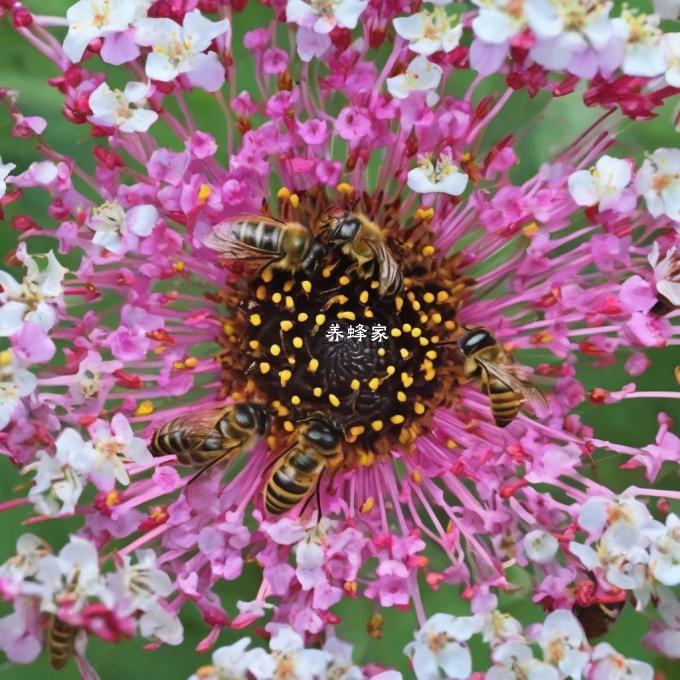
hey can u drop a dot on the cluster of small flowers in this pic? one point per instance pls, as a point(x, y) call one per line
point(71, 587)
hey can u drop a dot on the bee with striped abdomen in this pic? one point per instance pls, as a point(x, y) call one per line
point(298, 470)
point(209, 435)
point(61, 640)
point(268, 242)
point(506, 384)
point(363, 240)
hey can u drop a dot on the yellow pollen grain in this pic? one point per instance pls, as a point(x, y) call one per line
point(334, 400)
point(306, 286)
point(417, 332)
point(344, 280)
point(286, 325)
point(350, 316)
point(423, 318)
point(320, 319)
point(423, 213)
point(415, 305)
point(406, 380)
point(395, 333)
point(428, 250)
point(204, 193)
point(264, 367)
point(416, 476)
point(254, 344)
point(368, 313)
point(381, 351)
point(291, 360)
point(406, 327)
point(397, 419)
point(327, 271)
point(530, 229)
point(419, 408)
point(313, 365)
point(178, 266)
point(282, 411)
point(284, 376)
point(275, 350)
point(355, 384)
point(431, 354)
point(442, 296)
point(363, 297)
point(390, 370)
point(283, 193)
point(451, 444)
point(277, 297)
point(261, 293)
point(294, 200)
point(374, 383)
point(401, 396)
point(178, 365)
point(356, 430)
point(428, 297)
point(290, 305)
point(191, 362)
point(288, 285)
point(255, 319)
point(424, 342)
point(430, 374)
point(267, 275)
point(377, 425)
point(317, 392)
point(295, 400)
point(436, 317)
point(288, 426)
point(345, 188)
point(450, 325)
point(398, 303)
point(145, 408)
point(404, 353)
point(368, 504)
point(375, 284)
point(302, 317)
point(297, 342)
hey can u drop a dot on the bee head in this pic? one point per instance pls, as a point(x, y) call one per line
point(314, 257)
point(323, 434)
point(474, 340)
point(253, 417)
point(343, 228)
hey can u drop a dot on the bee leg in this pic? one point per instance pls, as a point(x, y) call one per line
point(317, 494)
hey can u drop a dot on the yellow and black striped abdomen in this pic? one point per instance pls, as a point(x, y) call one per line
point(292, 480)
point(260, 235)
point(505, 402)
point(61, 638)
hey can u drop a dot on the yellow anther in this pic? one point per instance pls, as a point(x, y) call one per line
point(264, 367)
point(190, 362)
point(404, 352)
point(397, 419)
point(254, 344)
point(306, 286)
point(430, 374)
point(286, 325)
point(423, 213)
point(416, 476)
point(288, 285)
point(275, 350)
point(295, 400)
point(267, 275)
point(334, 400)
point(419, 408)
point(297, 342)
point(415, 306)
point(416, 332)
point(390, 370)
point(398, 302)
point(178, 266)
point(442, 296)
point(178, 365)
point(423, 318)
point(450, 325)
point(288, 426)
point(363, 297)
point(6, 357)
point(395, 333)
point(145, 408)
point(277, 297)
point(302, 317)
point(368, 504)
point(255, 319)
point(355, 384)
point(356, 430)
point(283, 193)
point(327, 271)
point(451, 444)
point(313, 365)
point(381, 351)
point(345, 188)
point(320, 319)
point(428, 297)
point(204, 193)
point(112, 498)
point(428, 250)
point(294, 200)
point(406, 327)
point(350, 316)
point(289, 303)
point(284, 376)
point(317, 392)
point(261, 293)
point(530, 229)
point(374, 384)
point(431, 354)
point(401, 396)
point(344, 280)
point(406, 380)
point(436, 317)
point(368, 313)
point(283, 411)
point(377, 425)
point(375, 284)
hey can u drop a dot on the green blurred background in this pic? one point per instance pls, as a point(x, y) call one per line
point(552, 124)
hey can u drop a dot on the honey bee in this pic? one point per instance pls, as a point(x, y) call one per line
point(61, 639)
point(363, 240)
point(210, 435)
point(505, 383)
point(260, 239)
point(597, 618)
point(298, 470)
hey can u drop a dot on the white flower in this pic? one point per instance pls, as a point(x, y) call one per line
point(430, 31)
point(499, 627)
point(179, 49)
point(671, 45)
point(440, 644)
point(514, 660)
point(59, 478)
point(30, 551)
point(161, 624)
point(666, 273)
point(90, 19)
point(644, 52)
point(667, 9)
point(15, 384)
point(233, 661)
point(540, 546)
point(603, 185)
point(498, 20)
point(114, 445)
point(112, 224)
point(112, 107)
point(658, 180)
point(665, 551)
point(561, 640)
point(442, 177)
point(597, 513)
point(608, 664)
point(5, 169)
point(421, 76)
point(35, 298)
point(324, 15)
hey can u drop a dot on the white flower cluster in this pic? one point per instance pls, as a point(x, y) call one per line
point(629, 548)
point(612, 184)
point(60, 478)
point(71, 587)
point(440, 649)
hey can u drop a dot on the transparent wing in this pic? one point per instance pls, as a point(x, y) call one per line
point(224, 238)
point(515, 379)
point(196, 426)
point(389, 270)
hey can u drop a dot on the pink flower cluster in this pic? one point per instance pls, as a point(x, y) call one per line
point(576, 268)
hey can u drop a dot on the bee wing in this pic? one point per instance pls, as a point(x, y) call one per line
point(389, 270)
point(515, 379)
point(195, 427)
point(224, 240)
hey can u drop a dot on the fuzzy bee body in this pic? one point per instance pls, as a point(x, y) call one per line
point(202, 437)
point(362, 239)
point(61, 638)
point(505, 384)
point(597, 618)
point(297, 472)
point(267, 242)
